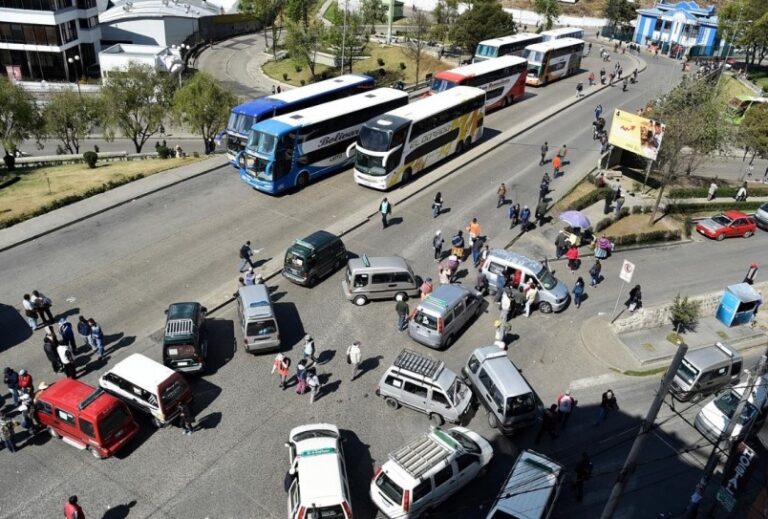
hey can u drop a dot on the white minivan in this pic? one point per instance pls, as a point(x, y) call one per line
point(530, 490)
point(318, 488)
point(714, 417)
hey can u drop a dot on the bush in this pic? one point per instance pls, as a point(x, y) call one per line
point(285, 76)
point(648, 209)
point(90, 158)
point(722, 192)
point(626, 239)
point(623, 213)
point(303, 82)
point(196, 154)
point(297, 68)
point(637, 209)
point(713, 207)
point(163, 151)
point(590, 198)
point(684, 313)
point(402, 66)
point(688, 226)
point(603, 224)
point(380, 62)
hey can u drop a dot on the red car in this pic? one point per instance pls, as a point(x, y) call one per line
point(85, 417)
point(727, 225)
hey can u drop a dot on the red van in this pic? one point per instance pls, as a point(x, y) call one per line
point(85, 417)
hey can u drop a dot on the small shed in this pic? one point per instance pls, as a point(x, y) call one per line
point(737, 306)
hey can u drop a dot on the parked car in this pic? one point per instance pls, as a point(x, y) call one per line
point(85, 417)
point(185, 343)
point(715, 416)
point(727, 225)
point(428, 470)
point(706, 370)
point(309, 260)
point(441, 317)
point(761, 216)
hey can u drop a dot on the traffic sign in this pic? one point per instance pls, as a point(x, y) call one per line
point(627, 269)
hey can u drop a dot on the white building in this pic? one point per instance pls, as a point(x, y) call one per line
point(119, 56)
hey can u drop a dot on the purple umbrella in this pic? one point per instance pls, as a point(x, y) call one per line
point(575, 219)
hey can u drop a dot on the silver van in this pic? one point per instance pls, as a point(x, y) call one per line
point(553, 295)
point(531, 489)
point(383, 277)
point(706, 370)
point(439, 318)
point(498, 384)
point(258, 322)
point(426, 385)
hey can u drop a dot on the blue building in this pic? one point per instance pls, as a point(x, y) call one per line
point(679, 29)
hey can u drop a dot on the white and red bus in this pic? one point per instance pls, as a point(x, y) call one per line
point(503, 79)
point(505, 45)
point(552, 60)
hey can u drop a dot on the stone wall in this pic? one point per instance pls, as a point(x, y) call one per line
point(655, 316)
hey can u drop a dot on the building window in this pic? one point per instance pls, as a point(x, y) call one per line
point(39, 5)
point(28, 33)
point(89, 23)
point(86, 4)
point(68, 31)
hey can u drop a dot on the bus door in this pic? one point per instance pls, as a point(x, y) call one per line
point(284, 156)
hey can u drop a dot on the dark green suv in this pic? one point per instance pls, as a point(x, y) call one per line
point(185, 342)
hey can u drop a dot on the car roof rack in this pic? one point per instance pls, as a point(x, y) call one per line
point(90, 398)
point(177, 327)
point(420, 455)
point(417, 363)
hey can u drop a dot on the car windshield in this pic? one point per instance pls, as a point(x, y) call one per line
point(457, 391)
point(727, 403)
point(172, 393)
point(441, 85)
point(369, 164)
point(293, 260)
point(373, 139)
point(687, 372)
point(546, 278)
point(314, 433)
point(113, 422)
point(325, 512)
point(390, 489)
point(261, 143)
point(257, 328)
point(722, 220)
point(465, 441)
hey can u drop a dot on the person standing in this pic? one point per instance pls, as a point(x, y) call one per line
point(250, 277)
point(301, 377)
point(594, 273)
point(309, 349)
point(84, 330)
point(97, 338)
point(385, 208)
point(501, 194)
point(281, 364)
point(565, 406)
point(591, 79)
point(245, 256)
point(426, 288)
point(544, 150)
point(514, 214)
point(26, 384)
point(573, 259)
point(578, 292)
point(474, 231)
point(619, 204)
point(43, 306)
point(52, 355)
point(583, 471)
point(548, 424)
point(314, 385)
point(525, 217)
point(741, 194)
point(7, 428)
point(530, 298)
point(499, 284)
point(186, 419)
point(556, 163)
point(11, 380)
point(635, 298)
point(354, 357)
point(437, 245)
point(437, 205)
point(67, 334)
point(30, 312)
point(506, 305)
point(711, 192)
point(541, 211)
point(401, 307)
point(579, 89)
point(607, 403)
point(67, 361)
point(72, 510)
point(477, 247)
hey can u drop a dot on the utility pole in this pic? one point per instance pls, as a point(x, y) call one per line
point(390, 20)
point(645, 428)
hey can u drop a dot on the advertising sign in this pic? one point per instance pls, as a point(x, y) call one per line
point(737, 476)
point(14, 72)
point(636, 134)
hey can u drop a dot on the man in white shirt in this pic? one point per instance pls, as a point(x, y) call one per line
point(66, 360)
point(354, 357)
point(29, 311)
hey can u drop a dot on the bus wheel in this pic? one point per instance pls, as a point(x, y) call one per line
point(505, 103)
point(459, 148)
point(303, 180)
point(406, 176)
point(467, 143)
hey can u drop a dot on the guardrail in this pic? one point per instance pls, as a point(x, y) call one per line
point(52, 160)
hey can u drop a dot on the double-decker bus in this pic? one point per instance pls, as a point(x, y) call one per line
point(289, 150)
point(395, 146)
point(563, 32)
point(551, 60)
point(503, 79)
point(243, 116)
point(497, 47)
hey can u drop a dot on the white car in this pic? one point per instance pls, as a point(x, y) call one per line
point(428, 470)
point(319, 488)
point(714, 417)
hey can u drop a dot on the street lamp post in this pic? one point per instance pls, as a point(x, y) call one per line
point(182, 47)
point(75, 60)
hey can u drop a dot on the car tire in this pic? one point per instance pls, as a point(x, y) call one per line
point(448, 342)
point(748, 234)
point(720, 237)
point(312, 281)
point(436, 419)
point(505, 103)
point(360, 300)
point(53, 432)
point(157, 423)
point(493, 422)
point(392, 403)
point(96, 454)
point(545, 308)
point(467, 143)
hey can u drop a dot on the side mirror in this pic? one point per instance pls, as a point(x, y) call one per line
point(205, 310)
point(287, 445)
point(166, 311)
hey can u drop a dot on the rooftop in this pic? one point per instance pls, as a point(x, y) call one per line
point(128, 9)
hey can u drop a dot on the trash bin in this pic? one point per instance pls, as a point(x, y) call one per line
point(737, 305)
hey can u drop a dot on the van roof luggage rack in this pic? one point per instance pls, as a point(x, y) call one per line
point(418, 363)
point(179, 327)
point(420, 455)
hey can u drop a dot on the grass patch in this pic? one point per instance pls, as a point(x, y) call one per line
point(759, 76)
point(675, 338)
point(647, 346)
point(645, 372)
point(332, 11)
point(276, 69)
point(31, 192)
point(722, 334)
point(577, 192)
point(730, 87)
point(639, 223)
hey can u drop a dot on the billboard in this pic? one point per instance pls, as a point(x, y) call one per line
point(636, 134)
point(736, 476)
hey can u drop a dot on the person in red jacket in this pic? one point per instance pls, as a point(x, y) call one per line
point(72, 510)
point(25, 382)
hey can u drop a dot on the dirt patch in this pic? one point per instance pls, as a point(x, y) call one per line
point(580, 190)
point(639, 223)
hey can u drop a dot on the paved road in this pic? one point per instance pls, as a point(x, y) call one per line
point(124, 266)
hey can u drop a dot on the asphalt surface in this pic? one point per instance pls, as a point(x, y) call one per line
point(123, 267)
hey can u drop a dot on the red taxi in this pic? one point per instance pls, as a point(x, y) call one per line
point(85, 417)
point(727, 225)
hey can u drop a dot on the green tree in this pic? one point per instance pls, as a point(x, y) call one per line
point(744, 23)
point(549, 10)
point(418, 28)
point(70, 118)
point(618, 12)
point(753, 131)
point(485, 20)
point(269, 13)
point(695, 126)
point(19, 117)
point(684, 313)
point(444, 15)
point(203, 104)
point(371, 13)
point(138, 98)
point(298, 11)
point(345, 44)
point(304, 42)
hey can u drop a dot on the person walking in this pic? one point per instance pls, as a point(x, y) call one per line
point(11, 380)
point(385, 208)
point(579, 89)
point(7, 429)
point(426, 288)
point(52, 355)
point(565, 406)
point(477, 247)
point(541, 211)
point(711, 192)
point(72, 510)
point(741, 194)
point(481, 283)
point(513, 213)
point(563, 152)
point(401, 307)
point(501, 194)
point(506, 304)
point(474, 231)
point(578, 292)
point(499, 284)
point(245, 256)
point(281, 364)
point(29, 311)
point(591, 78)
point(525, 217)
point(354, 357)
point(437, 245)
point(530, 297)
point(548, 424)
point(84, 330)
point(500, 334)
point(598, 111)
point(556, 164)
point(314, 385)
point(544, 150)
point(573, 259)
point(437, 205)
point(309, 349)
point(607, 403)
point(619, 204)
point(97, 338)
point(43, 306)
point(186, 418)
point(301, 377)
point(67, 361)
point(582, 471)
point(635, 298)
point(594, 273)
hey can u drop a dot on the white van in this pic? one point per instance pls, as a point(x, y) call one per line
point(530, 490)
point(319, 488)
point(714, 417)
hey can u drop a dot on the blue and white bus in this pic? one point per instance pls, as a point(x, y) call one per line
point(289, 150)
point(244, 116)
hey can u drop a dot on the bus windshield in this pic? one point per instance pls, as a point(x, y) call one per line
point(369, 164)
point(240, 123)
point(441, 85)
point(374, 139)
point(534, 58)
point(486, 51)
point(262, 143)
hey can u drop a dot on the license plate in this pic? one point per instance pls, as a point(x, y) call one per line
point(184, 363)
point(173, 351)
